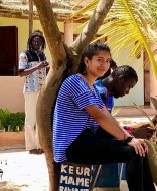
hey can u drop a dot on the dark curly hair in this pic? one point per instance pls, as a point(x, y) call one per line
point(36, 33)
point(127, 71)
point(89, 52)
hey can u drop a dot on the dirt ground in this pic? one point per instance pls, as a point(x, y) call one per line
point(25, 172)
point(22, 171)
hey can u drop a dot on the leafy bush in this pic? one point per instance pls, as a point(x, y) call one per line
point(11, 121)
point(4, 118)
point(17, 120)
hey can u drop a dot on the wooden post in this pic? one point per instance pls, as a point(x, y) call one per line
point(68, 31)
point(24, 2)
point(30, 16)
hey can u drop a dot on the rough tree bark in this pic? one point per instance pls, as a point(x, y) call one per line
point(59, 53)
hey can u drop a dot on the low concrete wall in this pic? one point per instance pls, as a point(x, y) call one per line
point(12, 138)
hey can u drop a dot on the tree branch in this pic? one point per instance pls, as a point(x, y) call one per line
point(92, 27)
point(50, 28)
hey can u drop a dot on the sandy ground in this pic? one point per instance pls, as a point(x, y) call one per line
point(26, 172)
point(22, 171)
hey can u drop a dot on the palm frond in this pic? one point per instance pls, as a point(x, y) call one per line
point(78, 3)
point(86, 9)
point(129, 22)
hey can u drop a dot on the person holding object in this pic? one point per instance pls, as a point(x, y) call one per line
point(117, 85)
point(80, 111)
point(33, 65)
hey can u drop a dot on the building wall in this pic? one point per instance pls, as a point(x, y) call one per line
point(13, 100)
point(153, 80)
point(11, 96)
point(137, 93)
point(122, 58)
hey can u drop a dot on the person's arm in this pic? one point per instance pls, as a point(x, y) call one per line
point(109, 123)
point(25, 72)
point(23, 65)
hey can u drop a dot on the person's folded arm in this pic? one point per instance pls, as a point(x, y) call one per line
point(27, 71)
point(107, 122)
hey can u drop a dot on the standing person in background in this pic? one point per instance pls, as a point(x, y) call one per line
point(32, 65)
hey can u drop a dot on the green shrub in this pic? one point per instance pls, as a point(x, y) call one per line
point(4, 118)
point(16, 120)
point(11, 121)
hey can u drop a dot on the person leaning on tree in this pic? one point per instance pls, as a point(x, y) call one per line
point(33, 65)
point(80, 111)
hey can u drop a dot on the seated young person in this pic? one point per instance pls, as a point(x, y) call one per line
point(116, 85)
point(80, 111)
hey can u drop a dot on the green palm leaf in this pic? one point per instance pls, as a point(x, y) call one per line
point(129, 22)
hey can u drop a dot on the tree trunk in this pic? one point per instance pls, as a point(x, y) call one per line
point(59, 54)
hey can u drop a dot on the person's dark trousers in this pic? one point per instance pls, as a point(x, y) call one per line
point(90, 149)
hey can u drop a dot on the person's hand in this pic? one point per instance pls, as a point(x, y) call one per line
point(43, 64)
point(144, 132)
point(139, 145)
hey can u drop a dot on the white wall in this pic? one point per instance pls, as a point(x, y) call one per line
point(153, 80)
point(11, 96)
point(137, 93)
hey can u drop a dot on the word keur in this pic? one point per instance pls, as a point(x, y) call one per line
point(75, 175)
point(78, 170)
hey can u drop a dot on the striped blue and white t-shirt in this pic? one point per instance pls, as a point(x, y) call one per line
point(70, 117)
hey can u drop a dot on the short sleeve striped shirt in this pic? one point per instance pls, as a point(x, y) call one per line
point(70, 117)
